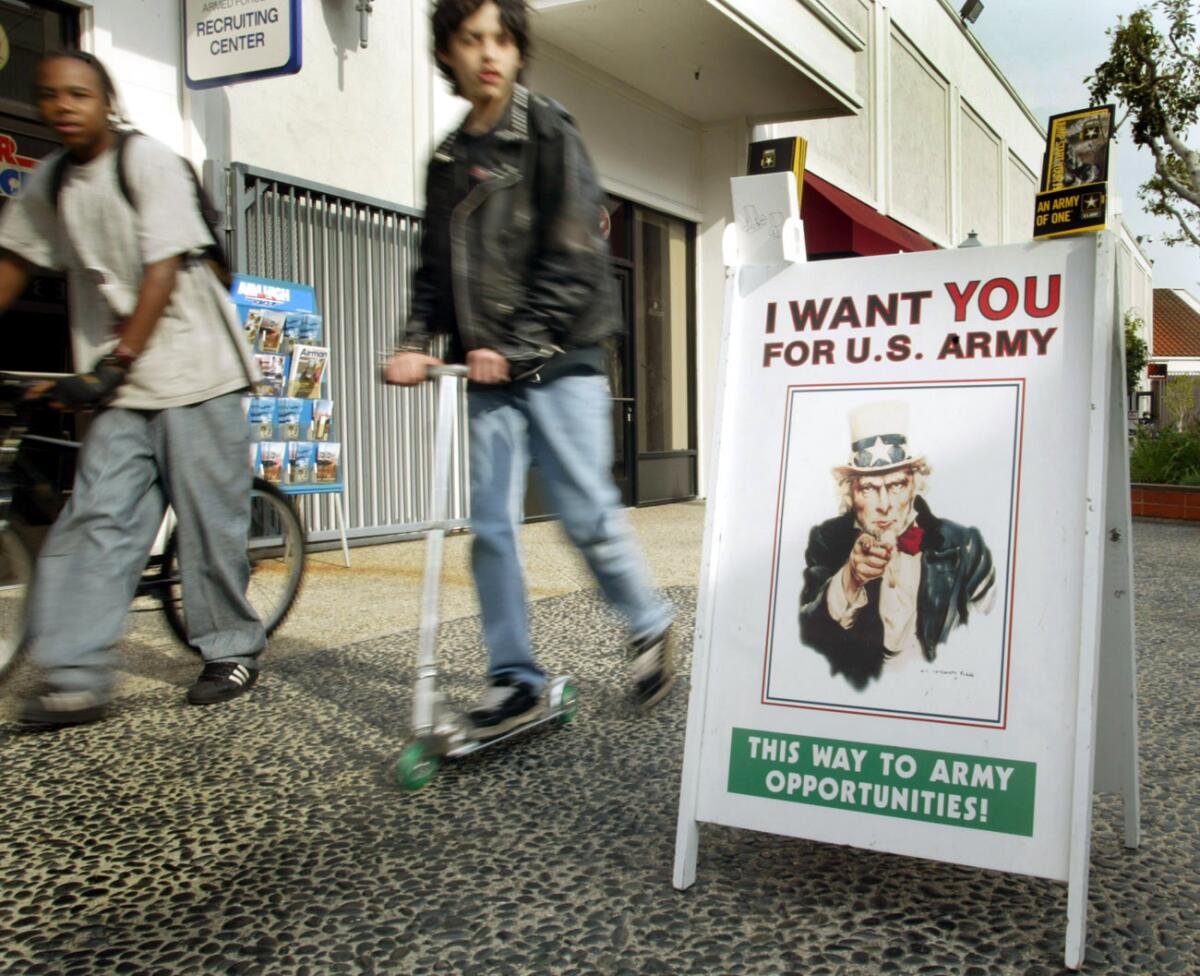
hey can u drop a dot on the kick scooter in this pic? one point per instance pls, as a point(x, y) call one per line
point(439, 730)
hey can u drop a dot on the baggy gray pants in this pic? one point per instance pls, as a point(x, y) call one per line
point(132, 464)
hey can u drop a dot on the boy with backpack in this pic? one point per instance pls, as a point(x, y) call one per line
point(515, 269)
point(121, 214)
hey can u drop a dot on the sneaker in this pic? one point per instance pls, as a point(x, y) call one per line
point(221, 681)
point(53, 707)
point(504, 705)
point(653, 668)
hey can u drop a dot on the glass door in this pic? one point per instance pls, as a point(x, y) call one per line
point(663, 357)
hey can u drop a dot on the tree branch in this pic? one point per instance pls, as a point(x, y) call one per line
point(1190, 160)
point(1184, 226)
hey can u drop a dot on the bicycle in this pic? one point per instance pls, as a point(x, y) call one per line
point(275, 539)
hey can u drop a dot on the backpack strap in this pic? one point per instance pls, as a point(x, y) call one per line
point(123, 137)
point(215, 252)
point(59, 176)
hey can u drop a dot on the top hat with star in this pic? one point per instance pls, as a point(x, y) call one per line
point(878, 440)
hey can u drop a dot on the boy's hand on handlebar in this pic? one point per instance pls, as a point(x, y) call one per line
point(408, 368)
point(486, 366)
point(38, 390)
point(94, 388)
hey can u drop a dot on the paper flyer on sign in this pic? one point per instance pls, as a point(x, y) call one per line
point(895, 607)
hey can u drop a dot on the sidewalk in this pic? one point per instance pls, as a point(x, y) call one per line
point(265, 837)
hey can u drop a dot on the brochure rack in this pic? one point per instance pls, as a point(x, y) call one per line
point(291, 415)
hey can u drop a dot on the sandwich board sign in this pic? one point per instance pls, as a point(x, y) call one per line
point(915, 593)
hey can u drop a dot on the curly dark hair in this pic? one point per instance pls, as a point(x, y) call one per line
point(448, 16)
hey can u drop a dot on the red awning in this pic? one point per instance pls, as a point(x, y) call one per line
point(837, 223)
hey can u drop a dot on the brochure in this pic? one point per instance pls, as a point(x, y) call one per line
point(289, 418)
point(272, 368)
point(251, 325)
point(270, 331)
point(271, 455)
point(308, 371)
point(300, 463)
point(329, 458)
point(321, 422)
point(262, 418)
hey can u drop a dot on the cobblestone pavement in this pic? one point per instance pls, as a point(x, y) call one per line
point(266, 836)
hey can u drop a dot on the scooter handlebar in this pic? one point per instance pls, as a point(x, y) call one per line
point(455, 369)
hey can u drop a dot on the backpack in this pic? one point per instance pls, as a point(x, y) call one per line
point(214, 253)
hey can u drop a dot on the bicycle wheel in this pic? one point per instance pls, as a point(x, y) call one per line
point(275, 547)
point(16, 569)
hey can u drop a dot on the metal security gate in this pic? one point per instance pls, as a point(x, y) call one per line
point(359, 254)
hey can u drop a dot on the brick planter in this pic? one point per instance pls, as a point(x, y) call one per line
point(1167, 501)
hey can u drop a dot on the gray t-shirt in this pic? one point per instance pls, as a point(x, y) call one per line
point(196, 352)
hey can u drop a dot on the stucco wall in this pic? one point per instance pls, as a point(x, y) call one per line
point(643, 150)
point(942, 145)
point(359, 119)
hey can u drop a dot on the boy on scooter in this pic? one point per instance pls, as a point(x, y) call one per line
point(515, 269)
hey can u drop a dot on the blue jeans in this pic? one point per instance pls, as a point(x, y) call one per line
point(565, 427)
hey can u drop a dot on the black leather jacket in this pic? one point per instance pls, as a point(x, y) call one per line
point(520, 264)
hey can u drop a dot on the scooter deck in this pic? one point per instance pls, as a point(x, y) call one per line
point(473, 744)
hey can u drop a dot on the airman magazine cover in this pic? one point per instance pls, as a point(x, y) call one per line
point(308, 370)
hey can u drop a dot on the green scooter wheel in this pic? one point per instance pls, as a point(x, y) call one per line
point(569, 704)
point(416, 766)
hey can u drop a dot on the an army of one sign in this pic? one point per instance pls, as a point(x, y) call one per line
point(934, 697)
point(1073, 196)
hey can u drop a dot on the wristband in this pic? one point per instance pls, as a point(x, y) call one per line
point(125, 356)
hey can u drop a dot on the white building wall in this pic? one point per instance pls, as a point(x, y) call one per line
point(644, 151)
point(943, 145)
point(140, 44)
point(358, 119)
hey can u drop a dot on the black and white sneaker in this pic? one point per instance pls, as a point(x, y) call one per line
point(52, 707)
point(652, 665)
point(504, 705)
point(221, 681)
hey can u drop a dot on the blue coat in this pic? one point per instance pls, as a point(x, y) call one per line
point(956, 573)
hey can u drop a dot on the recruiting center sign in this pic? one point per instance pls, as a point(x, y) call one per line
point(900, 595)
point(227, 41)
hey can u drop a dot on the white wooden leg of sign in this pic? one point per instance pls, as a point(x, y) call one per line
point(342, 520)
point(1116, 731)
point(1095, 528)
point(687, 832)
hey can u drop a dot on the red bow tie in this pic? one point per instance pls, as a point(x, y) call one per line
point(910, 539)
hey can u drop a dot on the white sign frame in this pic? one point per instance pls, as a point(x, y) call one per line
point(1105, 759)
